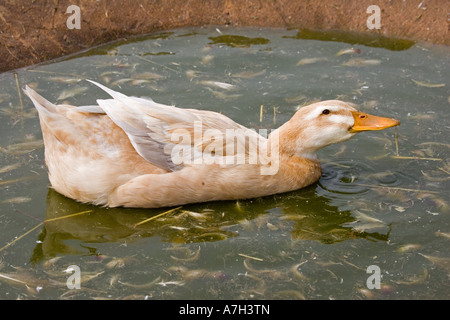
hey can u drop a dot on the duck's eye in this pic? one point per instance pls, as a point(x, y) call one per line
point(326, 111)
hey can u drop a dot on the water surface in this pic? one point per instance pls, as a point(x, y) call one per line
point(379, 202)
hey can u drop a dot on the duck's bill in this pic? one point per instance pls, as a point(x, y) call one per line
point(366, 122)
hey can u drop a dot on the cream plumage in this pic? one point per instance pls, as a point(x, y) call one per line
point(134, 152)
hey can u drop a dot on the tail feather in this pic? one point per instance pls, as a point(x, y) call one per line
point(41, 104)
point(112, 93)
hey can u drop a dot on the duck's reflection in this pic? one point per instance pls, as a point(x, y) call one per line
point(304, 214)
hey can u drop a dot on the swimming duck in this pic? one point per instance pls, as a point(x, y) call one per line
point(135, 152)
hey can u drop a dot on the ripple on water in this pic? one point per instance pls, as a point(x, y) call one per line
point(342, 178)
point(349, 179)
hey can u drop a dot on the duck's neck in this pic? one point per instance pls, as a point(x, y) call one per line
point(289, 140)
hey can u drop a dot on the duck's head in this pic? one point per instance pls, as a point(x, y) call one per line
point(320, 124)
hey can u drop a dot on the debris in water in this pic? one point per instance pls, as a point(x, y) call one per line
point(357, 62)
point(10, 167)
point(147, 76)
point(189, 256)
point(138, 82)
point(113, 280)
point(250, 257)
point(249, 74)
point(70, 93)
point(368, 226)
point(218, 84)
point(86, 276)
point(368, 294)
point(207, 59)
point(366, 218)
point(224, 96)
point(272, 272)
point(16, 200)
point(120, 262)
point(305, 61)
point(271, 226)
point(141, 286)
point(157, 216)
point(297, 273)
point(197, 215)
point(23, 147)
point(191, 74)
point(347, 51)
point(435, 201)
point(121, 81)
point(195, 274)
point(12, 181)
point(428, 85)
point(17, 113)
point(440, 262)
point(443, 234)
point(415, 279)
point(423, 116)
point(175, 283)
point(62, 79)
point(409, 247)
point(295, 99)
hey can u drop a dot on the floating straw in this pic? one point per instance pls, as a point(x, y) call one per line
point(250, 257)
point(19, 91)
point(41, 224)
point(20, 237)
point(416, 158)
point(396, 142)
point(68, 216)
point(395, 188)
point(397, 156)
point(157, 216)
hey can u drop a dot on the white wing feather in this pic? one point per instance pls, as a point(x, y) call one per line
point(149, 126)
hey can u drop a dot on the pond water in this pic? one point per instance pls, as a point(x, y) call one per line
point(381, 201)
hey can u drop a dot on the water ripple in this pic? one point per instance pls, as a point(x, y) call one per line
point(343, 179)
point(348, 179)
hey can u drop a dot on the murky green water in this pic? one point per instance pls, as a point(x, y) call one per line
point(369, 208)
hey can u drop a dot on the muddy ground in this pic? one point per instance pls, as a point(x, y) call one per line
point(33, 31)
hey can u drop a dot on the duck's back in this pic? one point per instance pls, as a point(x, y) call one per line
point(86, 153)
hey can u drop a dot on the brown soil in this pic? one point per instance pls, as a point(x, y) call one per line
point(33, 31)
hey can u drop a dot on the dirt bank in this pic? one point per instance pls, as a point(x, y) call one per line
point(34, 31)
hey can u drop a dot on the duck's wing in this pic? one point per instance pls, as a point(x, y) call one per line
point(172, 137)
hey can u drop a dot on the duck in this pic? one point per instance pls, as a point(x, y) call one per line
point(128, 151)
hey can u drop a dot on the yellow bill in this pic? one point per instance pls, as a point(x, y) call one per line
point(366, 122)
